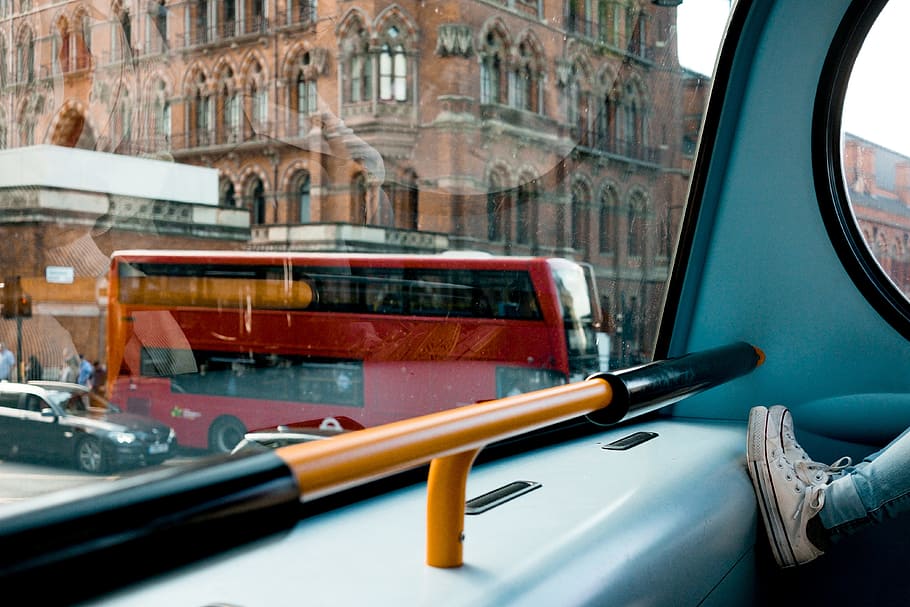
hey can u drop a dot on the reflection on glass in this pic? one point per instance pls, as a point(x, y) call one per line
point(563, 131)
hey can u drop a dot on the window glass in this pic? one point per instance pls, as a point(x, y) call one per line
point(876, 146)
point(239, 215)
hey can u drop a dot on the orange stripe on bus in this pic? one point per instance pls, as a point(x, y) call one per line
point(210, 292)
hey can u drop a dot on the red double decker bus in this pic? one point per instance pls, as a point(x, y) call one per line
point(216, 344)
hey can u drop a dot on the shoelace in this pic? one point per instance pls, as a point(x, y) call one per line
point(815, 475)
point(813, 501)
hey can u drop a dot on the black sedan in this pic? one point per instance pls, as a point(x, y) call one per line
point(47, 422)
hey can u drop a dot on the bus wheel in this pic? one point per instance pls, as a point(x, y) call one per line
point(90, 455)
point(225, 433)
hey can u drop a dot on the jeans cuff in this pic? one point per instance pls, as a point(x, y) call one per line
point(842, 503)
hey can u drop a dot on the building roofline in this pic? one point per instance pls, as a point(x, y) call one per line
point(51, 166)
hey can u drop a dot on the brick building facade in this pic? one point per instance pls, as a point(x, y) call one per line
point(878, 182)
point(547, 127)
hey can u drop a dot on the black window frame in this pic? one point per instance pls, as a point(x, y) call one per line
point(834, 202)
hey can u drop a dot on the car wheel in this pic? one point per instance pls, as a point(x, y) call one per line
point(225, 433)
point(90, 455)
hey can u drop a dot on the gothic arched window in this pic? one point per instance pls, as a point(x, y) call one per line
point(492, 89)
point(257, 204)
point(301, 201)
point(607, 220)
point(393, 68)
point(359, 199)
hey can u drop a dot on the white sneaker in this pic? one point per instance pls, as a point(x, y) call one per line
point(781, 417)
point(789, 495)
point(809, 470)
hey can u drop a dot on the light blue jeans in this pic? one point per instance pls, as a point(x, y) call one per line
point(873, 490)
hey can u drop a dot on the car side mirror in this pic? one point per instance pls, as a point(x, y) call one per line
point(48, 412)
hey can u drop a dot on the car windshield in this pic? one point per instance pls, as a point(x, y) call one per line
point(233, 216)
point(65, 401)
point(80, 402)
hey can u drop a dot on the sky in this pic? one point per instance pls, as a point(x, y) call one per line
point(700, 26)
point(877, 95)
point(876, 103)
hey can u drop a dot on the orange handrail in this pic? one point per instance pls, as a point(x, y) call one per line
point(325, 467)
point(450, 440)
point(345, 461)
point(205, 506)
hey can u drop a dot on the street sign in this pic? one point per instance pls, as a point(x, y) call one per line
point(62, 275)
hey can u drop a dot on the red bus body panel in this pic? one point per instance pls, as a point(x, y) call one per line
point(411, 365)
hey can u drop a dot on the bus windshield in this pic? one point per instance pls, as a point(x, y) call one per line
point(578, 312)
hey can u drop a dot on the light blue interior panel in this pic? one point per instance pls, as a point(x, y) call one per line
point(771, 275)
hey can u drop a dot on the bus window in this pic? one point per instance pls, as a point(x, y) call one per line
point(876, 156)
point(271, 378)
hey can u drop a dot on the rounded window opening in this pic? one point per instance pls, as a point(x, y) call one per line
point(875, 147)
